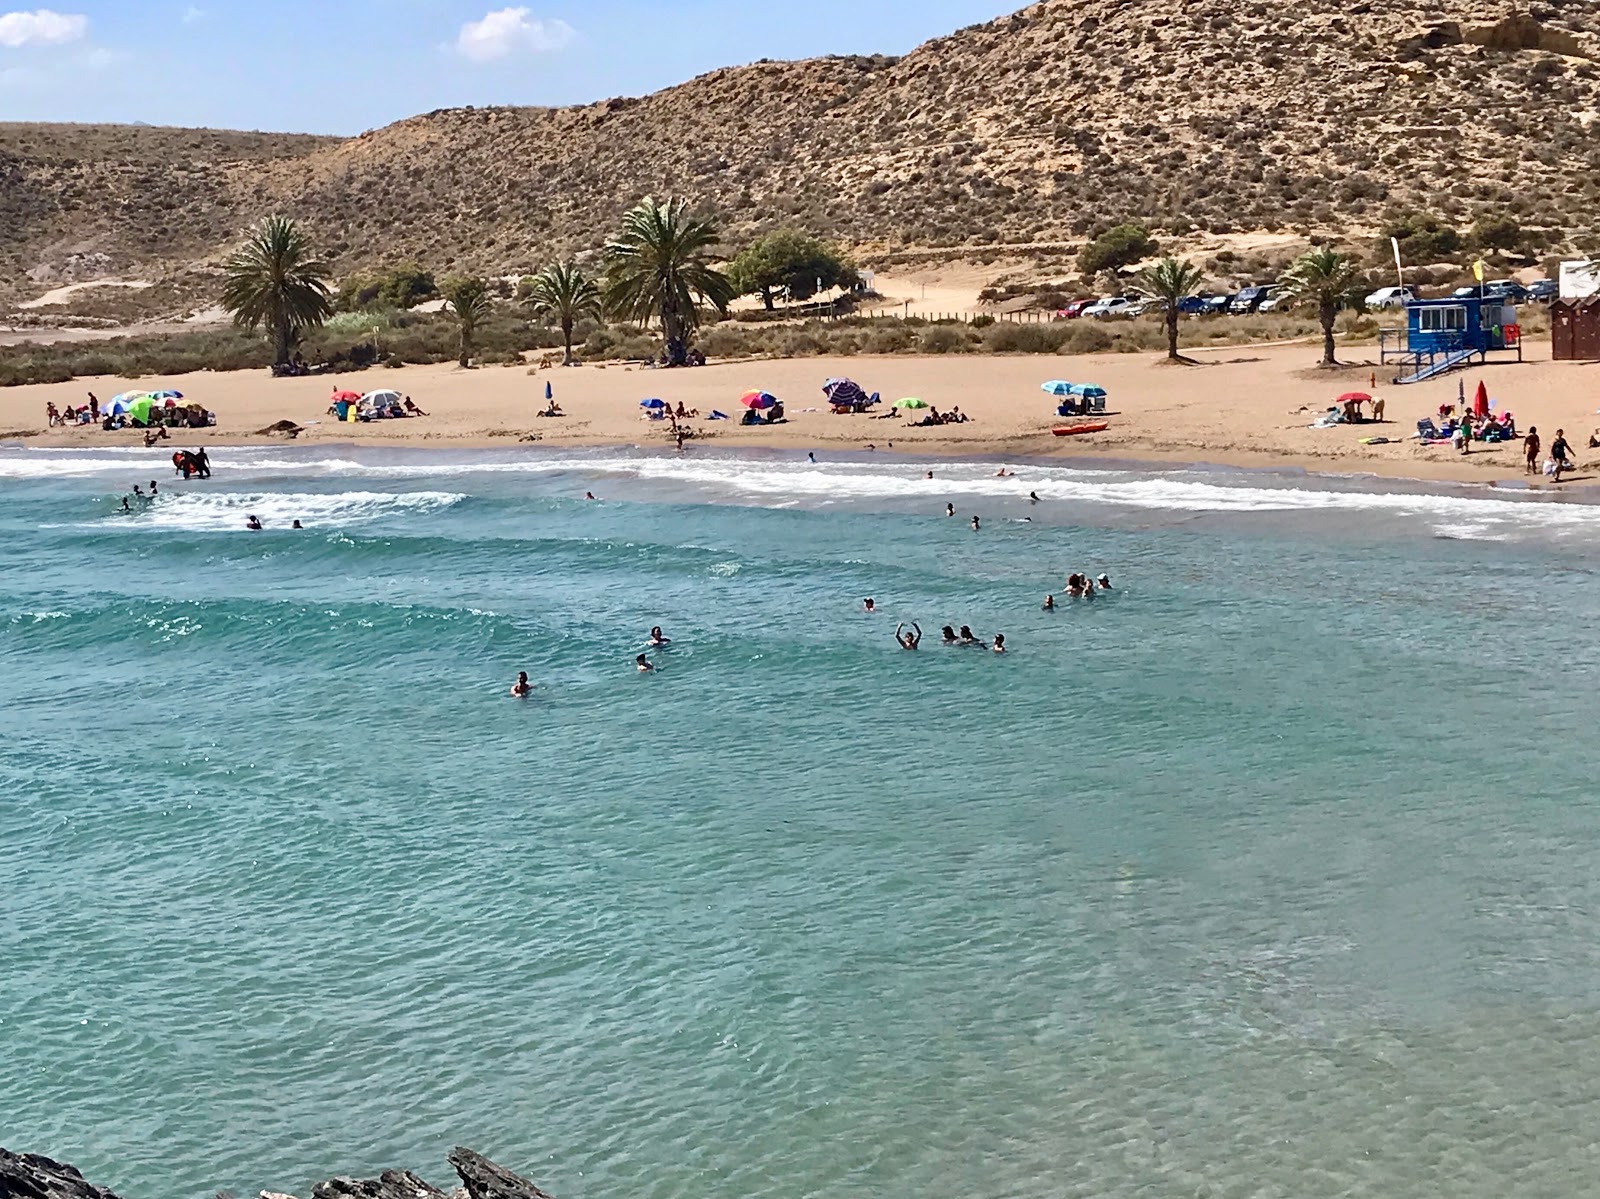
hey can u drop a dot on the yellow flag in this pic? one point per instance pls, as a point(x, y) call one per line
point(1477, 270)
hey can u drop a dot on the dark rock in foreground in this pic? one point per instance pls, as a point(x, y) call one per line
point(29, 1176)
point(391, 1184)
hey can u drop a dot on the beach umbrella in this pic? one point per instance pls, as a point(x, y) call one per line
point(1480, 400)
point(349, 397)
point(1088, 391)
point(168, 394)
point(1355, 397)
point(383, 398)
point(844, 391)
point(909, 402)
point(758, 399)
point(652, 403)
point(1056, 387)
point(549, 392)
point(139, 410)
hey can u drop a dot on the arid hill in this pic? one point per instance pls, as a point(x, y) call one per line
point(1036, 127)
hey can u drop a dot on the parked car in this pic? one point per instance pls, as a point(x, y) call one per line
point(1249, 299)
point(1075, 309)
point(1277, 300)
point(1201, 302)
point(1112, 305)
point(1543, 290)
point(1495, 289)
point(1391, 297)
point(1218, 303)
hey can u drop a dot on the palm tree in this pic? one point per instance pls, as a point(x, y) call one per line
point(469, 299)
point(658, 267)
point(1322, 276)
point(563, 291)
point(1169, 281)
point(275, 279)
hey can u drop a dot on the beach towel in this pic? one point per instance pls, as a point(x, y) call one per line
point(715, 415)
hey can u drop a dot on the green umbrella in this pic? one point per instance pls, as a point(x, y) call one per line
point(139, 410)
point(909, 402)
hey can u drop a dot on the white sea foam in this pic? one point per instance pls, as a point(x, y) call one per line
point(221, 510)
point(775, 482)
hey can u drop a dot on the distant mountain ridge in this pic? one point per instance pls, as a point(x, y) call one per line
point(1038, 126)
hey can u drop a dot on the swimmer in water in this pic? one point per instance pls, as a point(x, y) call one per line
point(657, 639)
point(929, 475)
point(643, 664)
point(1088, 587)
point(868, 606)
point(125, 507)
point(1075, 586)
point(137, 492)
point(152, 486)
point(949, 509)
point(999, 645)
point(588, 495)
point(252, 522)
point(811, 456)
point(1105, 582)
point(1049, 604)
point(521, 687)
point(1033, 497)
point(297, 525)
point(949, 635)
point(974, 524)
point(908, 640)
point(967, 638)
point(1002, 473)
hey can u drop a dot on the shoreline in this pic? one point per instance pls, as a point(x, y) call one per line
point(1249, 410)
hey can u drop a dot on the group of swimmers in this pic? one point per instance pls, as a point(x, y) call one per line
point(521, 689)
point(913, 638)
point(143, 496)
point(1079, 586)
point(253, 523)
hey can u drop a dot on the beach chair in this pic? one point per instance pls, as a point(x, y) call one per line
point(1098, 403)
point(1428, 431)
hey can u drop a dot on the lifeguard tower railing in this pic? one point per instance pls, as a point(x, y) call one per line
point(1442, 335)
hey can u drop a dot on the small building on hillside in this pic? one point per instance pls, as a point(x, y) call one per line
point(1575, 330)
point(1441, 335)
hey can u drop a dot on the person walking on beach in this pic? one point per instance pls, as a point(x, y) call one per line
point(1530, 447)
point(908, 640)
point(521, 687)
point(1558, 451)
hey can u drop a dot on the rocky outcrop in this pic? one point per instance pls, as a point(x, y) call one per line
point(485, 1180)
point(29, 1176)
point(391, 1184)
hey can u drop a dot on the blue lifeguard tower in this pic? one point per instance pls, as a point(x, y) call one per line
point(1441, 335)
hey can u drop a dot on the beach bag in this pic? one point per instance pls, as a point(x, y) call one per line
point(1549, 466)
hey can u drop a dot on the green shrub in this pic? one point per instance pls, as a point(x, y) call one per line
point(1086, 337)
point(1118, 247)
point(944, 339)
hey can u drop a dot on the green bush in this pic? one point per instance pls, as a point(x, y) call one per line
point(944, 339)
point(1007, 337)
point(1118, 247)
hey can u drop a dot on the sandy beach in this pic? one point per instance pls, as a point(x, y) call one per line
point(1238, 406)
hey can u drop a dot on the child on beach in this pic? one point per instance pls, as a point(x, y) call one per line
point(1530, 446)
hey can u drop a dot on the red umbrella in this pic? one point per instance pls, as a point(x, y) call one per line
point(758, 399)
point(1480, 401)
point(1355, 397)
point(348, 396)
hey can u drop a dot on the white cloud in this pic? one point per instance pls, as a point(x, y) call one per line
point(41, 27)
point(193, 14)
point(508, 31)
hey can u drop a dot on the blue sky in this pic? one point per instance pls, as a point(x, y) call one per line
point(341, 66)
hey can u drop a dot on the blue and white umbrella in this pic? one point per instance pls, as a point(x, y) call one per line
point(1056, 387)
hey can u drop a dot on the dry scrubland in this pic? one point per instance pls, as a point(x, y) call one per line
point(1029, 131)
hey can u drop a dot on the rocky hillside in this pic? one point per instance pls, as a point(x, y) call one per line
point(1037, 127)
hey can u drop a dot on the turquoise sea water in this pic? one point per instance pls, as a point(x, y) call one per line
point(1275, 872)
